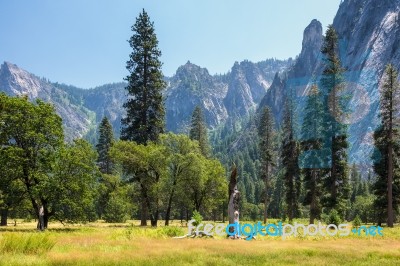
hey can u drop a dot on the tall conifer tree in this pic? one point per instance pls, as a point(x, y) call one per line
point(106, 140)
point(145, 111)
point(198, 131)
point(290, 155)
point(332, 81)
point(144, 120)
point(386, 157)
point(266, 136)
point(312, 161)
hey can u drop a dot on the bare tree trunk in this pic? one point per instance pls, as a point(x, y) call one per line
point(41, 222)
point(4, 215)
point(233, 205)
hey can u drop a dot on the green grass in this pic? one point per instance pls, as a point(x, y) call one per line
point(26, 243)
point(129, 244)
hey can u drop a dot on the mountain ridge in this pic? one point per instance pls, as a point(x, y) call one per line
point(192, 85)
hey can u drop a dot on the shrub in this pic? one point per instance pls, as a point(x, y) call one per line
point(357, 221)
point(333, 218)
point(197, 218)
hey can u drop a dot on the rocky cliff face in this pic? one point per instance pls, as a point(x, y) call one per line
point(248, 83)
point(189, 87)
point(370, 38)
point(369, 35)
point(221, 96)
point(295, 80)
point(16, 81)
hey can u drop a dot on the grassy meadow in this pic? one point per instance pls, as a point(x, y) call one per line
point(129, 244)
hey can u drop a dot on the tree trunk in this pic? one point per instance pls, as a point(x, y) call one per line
point(390, 187)
point(143, 213)
point(333, 147)
point(390, 168)
point(153, 212)
point(266, 193)
point(168, 213)
point(313, 197)
point(4, 215)
point(153, 215)
point(233, 205)
point(154, 219)
point(46, 217)
point(333, 173)
point(41, 222)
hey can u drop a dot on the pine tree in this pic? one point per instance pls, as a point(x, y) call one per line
point(145, 110)
point(290, 155)
point(356, 184)
point(336, 182)
point(380, 185)
point(106, 140)
point(386, 157)
point(312, 159)
point(277, 199)
point(266, 137)
point(144, 120)
point(198, 131)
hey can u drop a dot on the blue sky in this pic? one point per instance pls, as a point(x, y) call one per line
point(84, 42)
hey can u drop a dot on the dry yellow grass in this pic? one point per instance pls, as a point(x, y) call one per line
point(105, 244)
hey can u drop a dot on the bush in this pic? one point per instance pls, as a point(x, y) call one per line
point(357, 221)
point(27, 243)
point(333, 218)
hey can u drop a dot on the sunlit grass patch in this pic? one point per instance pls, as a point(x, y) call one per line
point(26, 243)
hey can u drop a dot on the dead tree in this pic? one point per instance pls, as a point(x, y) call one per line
point(234, 197)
